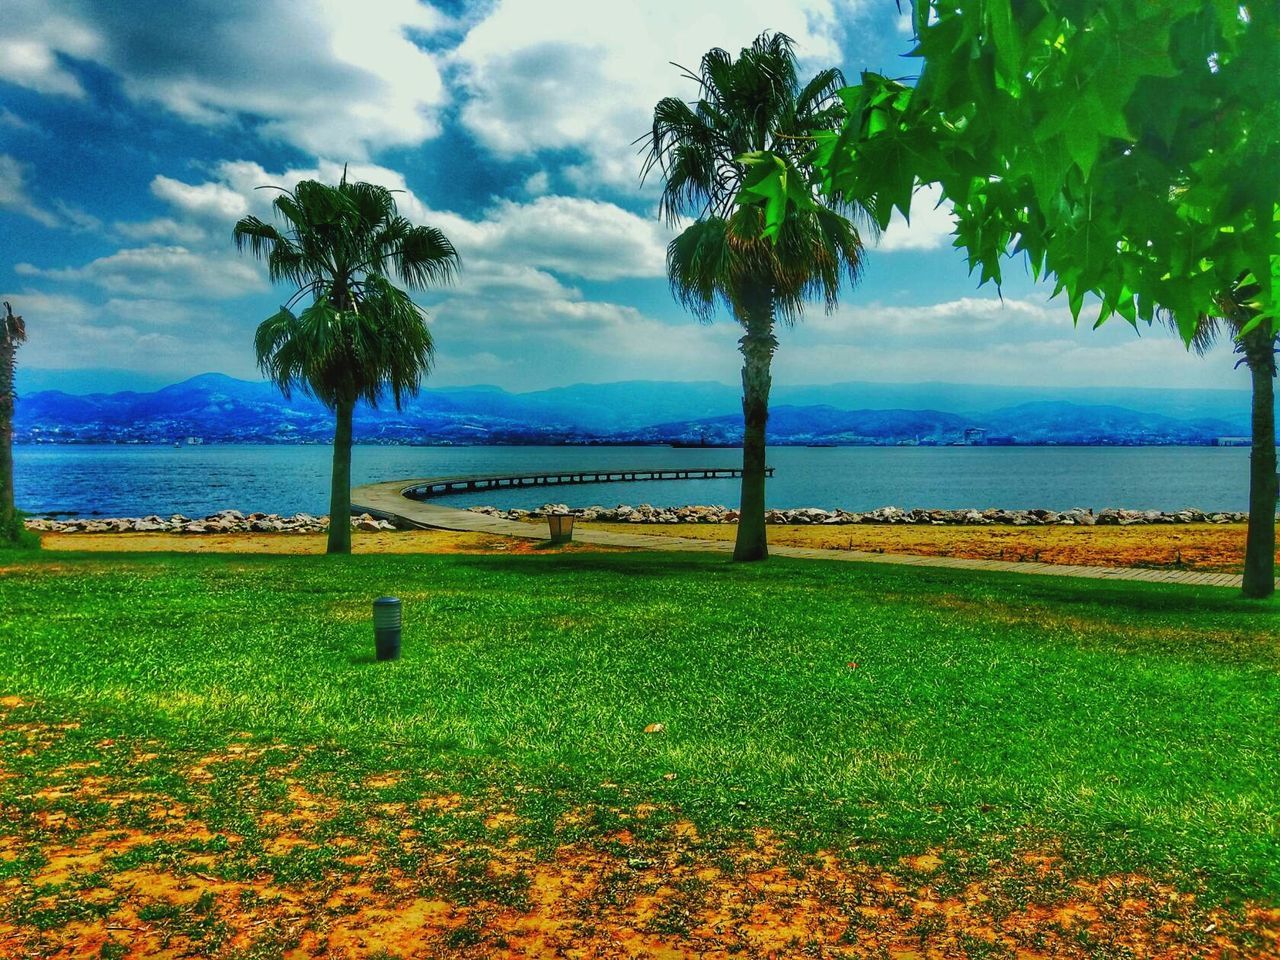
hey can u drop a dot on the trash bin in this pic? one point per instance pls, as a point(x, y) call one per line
point(561, 525)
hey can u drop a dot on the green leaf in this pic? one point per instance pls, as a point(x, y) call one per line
point(1004, 36)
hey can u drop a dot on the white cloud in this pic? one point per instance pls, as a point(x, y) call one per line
point(14, 196)
point(169, 314)
point(161, 228)
point(510, 316)
point(332, 77)
point(168, 273)
point(965, 318)
point(76, 219)
point(984, 341)
point(538, 184)
point(930, 226)
point(68, 333)
point(212, 200)
point(573, 236)
point(14, 122)
point(580, 74)
point(532, 332)
point(36, 37)
point(13, 192)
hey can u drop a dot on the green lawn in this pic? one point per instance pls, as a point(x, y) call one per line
point(891, 709)
point(1138, 722)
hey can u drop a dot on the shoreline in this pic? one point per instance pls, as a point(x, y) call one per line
point(235, 521)
point(225, 521)
point(699, 514)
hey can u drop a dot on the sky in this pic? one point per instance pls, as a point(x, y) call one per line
point(134, 134)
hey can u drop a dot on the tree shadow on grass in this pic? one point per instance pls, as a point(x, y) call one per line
point(1157, 599)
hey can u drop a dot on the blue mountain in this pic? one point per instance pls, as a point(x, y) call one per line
point(219, 408)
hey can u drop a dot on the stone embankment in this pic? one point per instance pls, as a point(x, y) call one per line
point(228, 521)
point(644, 513)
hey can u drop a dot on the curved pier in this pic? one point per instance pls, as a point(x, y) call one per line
point(394, 500)
point(443, 486)
point(402, 501)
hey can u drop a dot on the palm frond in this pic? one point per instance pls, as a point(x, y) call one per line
point(14, 329)
point(426, 258)
point(360, 337)
point(260, 238)
point(751, 104)
point(701, 265)
point(818, 91)
point(1202, 332)
point(1204, 336)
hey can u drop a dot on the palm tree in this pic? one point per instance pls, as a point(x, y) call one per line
point(1258, 350)
point(747, 106)
point(13, 331)
point(361, 336)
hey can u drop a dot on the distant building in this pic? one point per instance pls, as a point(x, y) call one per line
point(974, 437)
point(1232, 442)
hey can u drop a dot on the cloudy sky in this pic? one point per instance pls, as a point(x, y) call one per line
point(134, 134)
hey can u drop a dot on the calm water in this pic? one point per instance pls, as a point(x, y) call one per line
point(137, 480)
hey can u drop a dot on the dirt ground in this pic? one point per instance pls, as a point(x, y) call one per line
point(397, 541)
point(239, 852)
point(1217, 548)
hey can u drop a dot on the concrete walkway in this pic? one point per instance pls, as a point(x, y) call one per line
point(386, 500)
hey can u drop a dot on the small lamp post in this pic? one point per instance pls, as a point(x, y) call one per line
point(561, 526)
point(386, 628)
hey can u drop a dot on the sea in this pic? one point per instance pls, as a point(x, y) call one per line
point(138, 480)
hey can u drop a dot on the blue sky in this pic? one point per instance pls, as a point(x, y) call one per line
point(133, 134)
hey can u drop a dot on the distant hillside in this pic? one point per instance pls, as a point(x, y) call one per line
point(1050, 421)
point(221, 409)
point(818, 424)
point(1231, 406)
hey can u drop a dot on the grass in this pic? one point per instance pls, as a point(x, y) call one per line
point(887, 713)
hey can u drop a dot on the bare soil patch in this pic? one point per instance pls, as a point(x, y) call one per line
point(1208, 547)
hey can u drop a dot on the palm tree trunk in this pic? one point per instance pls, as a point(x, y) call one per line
point(8, 518)
point(1260, 547)
point(340, 486)
point(757, 356)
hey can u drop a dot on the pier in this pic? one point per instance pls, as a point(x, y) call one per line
point(444, 486)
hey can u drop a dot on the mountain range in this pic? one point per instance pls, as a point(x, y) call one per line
point(216, 408)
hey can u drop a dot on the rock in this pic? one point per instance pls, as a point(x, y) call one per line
point(231, 521)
